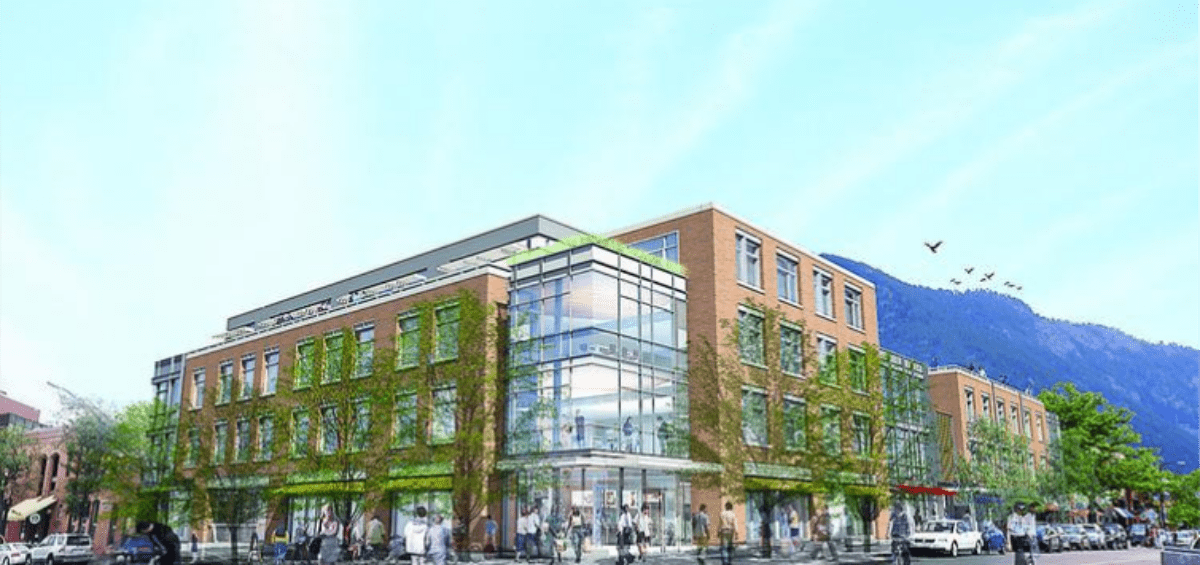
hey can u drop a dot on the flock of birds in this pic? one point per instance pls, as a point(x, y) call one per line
point(987, 277)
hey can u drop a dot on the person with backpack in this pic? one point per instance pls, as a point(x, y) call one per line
point(727, 533)
point(279, 540)
point(437, 541)
point(821, 535)
point(416, 541)
point(700, 532)
point(164, 538)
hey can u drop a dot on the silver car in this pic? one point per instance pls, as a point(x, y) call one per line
point(63, 548)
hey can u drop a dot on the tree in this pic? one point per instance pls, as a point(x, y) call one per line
point(89, 441)
point(1097, 443)
point(775, 412)
point(1184, 491)
point(14, 465)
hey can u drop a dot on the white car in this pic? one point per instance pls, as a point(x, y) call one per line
point(948, 536)
point(14, 554)
point(63, 548)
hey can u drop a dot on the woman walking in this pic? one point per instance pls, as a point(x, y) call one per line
point(331, 548)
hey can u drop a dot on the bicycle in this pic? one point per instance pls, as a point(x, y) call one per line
point(900, 548)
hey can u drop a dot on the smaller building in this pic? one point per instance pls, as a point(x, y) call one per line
point(14, 413)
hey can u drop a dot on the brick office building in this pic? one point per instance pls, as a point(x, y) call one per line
point(600, 336)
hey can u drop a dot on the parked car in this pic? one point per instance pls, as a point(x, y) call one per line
point(949, 536)
point(1095, 536)
point(1049, 539)
point(1185, 537)
point(136, 549)
point(1139, 534)
point(63, 548)
point(1074, 537)
point(14, 554)
point(1117, 538)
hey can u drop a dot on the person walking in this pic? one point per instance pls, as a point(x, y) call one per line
point(625, 527)
point(279, 540)
point(375, 537)
point(416, 538)
point(727, 533)
point(331, 547)
point(519, 544)
point(1021, 528)
point(489, 534)
point(575, 523)
point(535, 529)
point(643, 531)
point(195, 548)
point(439, 541)
point(700, 532)
point(794, 528)
point(901, 528)
point(821, 527)
point(300, 538)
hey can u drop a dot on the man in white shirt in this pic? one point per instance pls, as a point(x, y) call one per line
point(522, 526)
point(535, 530)
point(1021, 528)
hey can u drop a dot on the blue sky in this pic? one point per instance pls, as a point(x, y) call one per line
point(164, 165)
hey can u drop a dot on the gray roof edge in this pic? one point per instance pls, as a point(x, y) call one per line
point(420, 263)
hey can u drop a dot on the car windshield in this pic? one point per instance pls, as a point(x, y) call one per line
point(939, 527)
point(78, 540)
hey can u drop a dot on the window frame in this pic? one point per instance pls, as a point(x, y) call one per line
point(854, 308)
point(305, 371)
point(270, 370)
point(856, 371)
point(441, 342)
point(747, 261)
point(781, 275)
point(827, 362)
point(411, 433)
point(831, 443)
point(747, 394)
point(823, 294)
point(241, 442)
point(198, 386)
point(861, 444)
point(441, 398)
point(224, 382)
point(329, 429)
point(248, 380)
point(220, 442)
point(266, 436)
point(757, 355)
point(331, 371)
point(364, 358)
point(301, 434)
point(784, 329)
point(408, 342)
point(660, 251)
point(790, 428)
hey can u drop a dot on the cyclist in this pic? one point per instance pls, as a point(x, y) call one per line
point(1021, 528)
point(901, 528)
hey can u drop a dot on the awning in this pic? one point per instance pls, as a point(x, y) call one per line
point(914, 489)
point(29, 506)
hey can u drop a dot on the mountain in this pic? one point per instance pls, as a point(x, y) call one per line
point(1013, 343)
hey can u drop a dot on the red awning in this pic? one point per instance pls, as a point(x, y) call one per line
point(917, 489)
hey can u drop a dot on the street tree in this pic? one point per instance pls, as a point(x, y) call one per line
point(15, 457)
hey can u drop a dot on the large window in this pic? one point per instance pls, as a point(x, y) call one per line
point(791, 350)
point(364, 350)
point(193, 454)
point(750, 336)
point(831, 430)
point(198, 389)
point(862, 435)
point(854, 313)
point(754, 417)
point(220, 440)
point(271, 378)
point(242, 442)
point(442, 424)
point(305, 359)
point(985, 404)
point(362, 425)
point(408, 341)
point(249, 366)
point(969, 395)
point(1001, 417)
point(266, 437)
point(225, 382)
point(329, 430)
point(827, 360)
point(785, 271)
point(404, 424)
point(1040, 432)
point(446, 332)
point(823, 293)
point(795, 424)
point(857, 370)
point(664, 246)
point(333, 358)
point(1028, 430)
point(300, 433)
point(749, 270)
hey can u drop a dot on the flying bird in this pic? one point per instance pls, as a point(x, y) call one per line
point(988, 276)
point(984, 279)
point(969, 270)
point(933, 247)
point(955, 281)
point(1018, 287)
point(1008, 284)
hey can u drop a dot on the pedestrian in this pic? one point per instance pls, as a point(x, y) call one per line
point(664, 435)
point(821, 531)
point(439, 541)
point(625, 526)
point(375, 537)
point(489, 534)
point(700, 532)
point(300, 538)
point(575, 524)
point(643, 531)
point(416, 538)
point(164, 538)
point(535, 529)
point(330, 528)
point(279, 539)
point(970, 520)
point(519, 545)
point(195, 548)
point(255, 552)
point(558, 536)
point(1021, 528)
point(580, 421)
point(901, 529)
point(794, 528)
point(727, 533)
point(627, 429)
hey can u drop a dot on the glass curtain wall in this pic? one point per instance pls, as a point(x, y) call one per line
point(599, 356)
